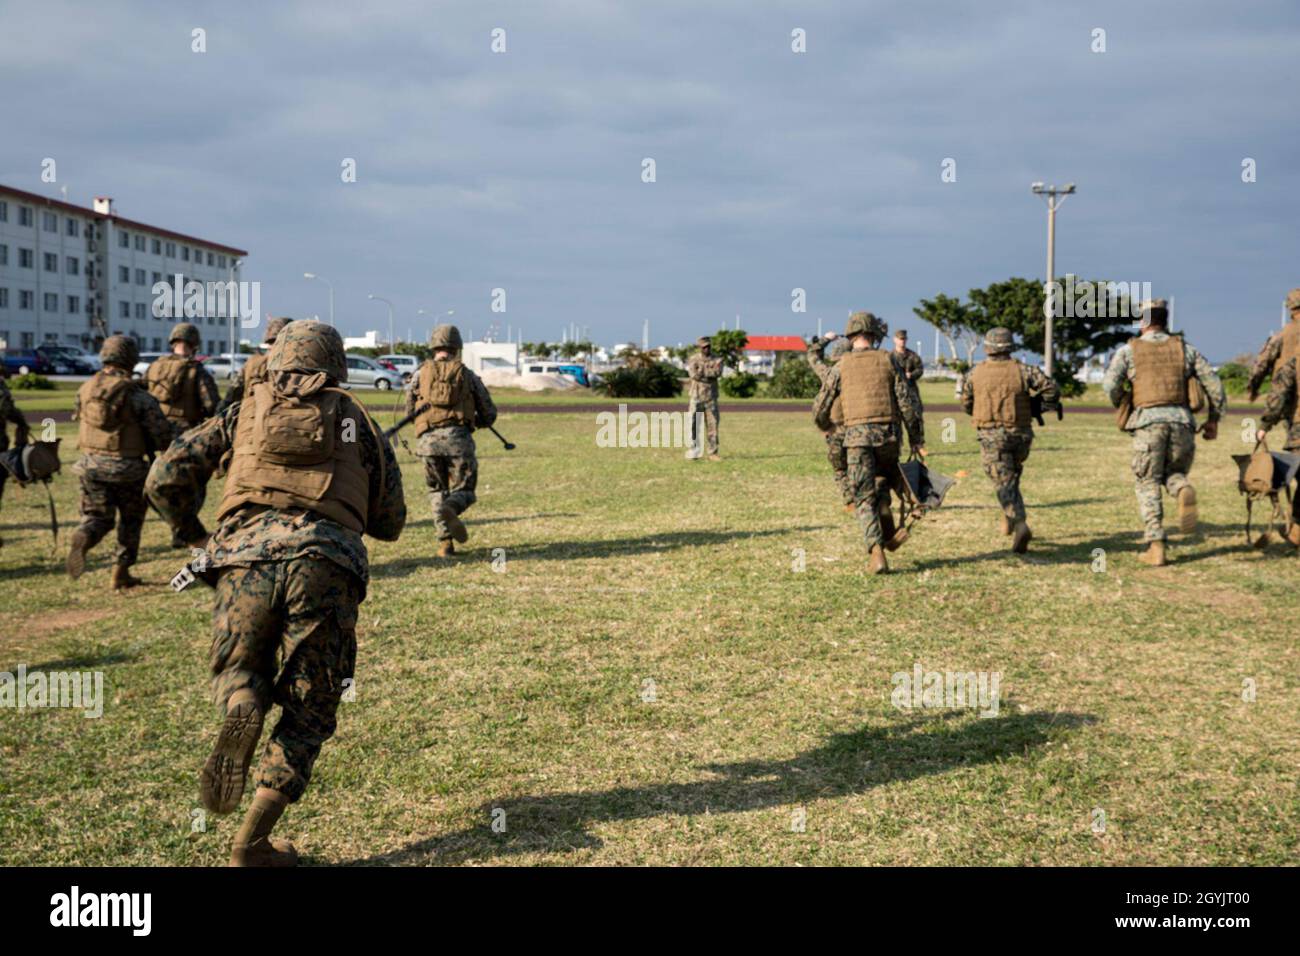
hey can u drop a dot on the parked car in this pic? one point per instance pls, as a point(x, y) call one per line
point(575, 372)
point(21, 361)
point(80, 361)
point(223, 369)
point(363, 370)
point(146, 359)
point(406, 365)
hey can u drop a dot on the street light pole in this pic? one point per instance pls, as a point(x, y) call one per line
point(380, 298)
point(1053, 197)
point(232, 306)
point(312, 275)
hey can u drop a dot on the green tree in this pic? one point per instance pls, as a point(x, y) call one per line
point(794, 379)
point(729, 345)
point(739, 385)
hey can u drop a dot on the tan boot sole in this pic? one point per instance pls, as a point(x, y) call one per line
point(280, 853)
point(225, 774)
point(1187, 510)
point(457, 527)
point(1151, 559)
point(76, 563)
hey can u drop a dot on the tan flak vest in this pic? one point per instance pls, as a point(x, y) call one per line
point(444, 387)
point(837, 412)
point(1000, 395)
point(1159, 372)
point(867, 388)
point(288, 453)
point(174, 382)
point(1290, 342)
point(106, 424)
point(254, 371)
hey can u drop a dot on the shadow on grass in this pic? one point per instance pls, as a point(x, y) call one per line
point(846, 764)
point(474, 522)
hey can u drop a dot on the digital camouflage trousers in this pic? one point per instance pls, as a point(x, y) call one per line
point(1162, 457)
point(1003, 452)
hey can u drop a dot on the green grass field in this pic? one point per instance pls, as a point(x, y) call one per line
point(647, 677)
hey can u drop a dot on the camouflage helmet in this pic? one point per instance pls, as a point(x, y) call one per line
point(704, 342)
point(1154, 308)
point(309, 347)
point(446, 337)
point(120, 350)
point(865, 323)
point(1293, 300)
point(998, 341)
point(273, 328)
point(185, 332)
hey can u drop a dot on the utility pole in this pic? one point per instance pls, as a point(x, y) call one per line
point(1053, 197)
point(380, 298)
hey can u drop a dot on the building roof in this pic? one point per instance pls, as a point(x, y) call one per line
point(37, 199)
point(775, 343)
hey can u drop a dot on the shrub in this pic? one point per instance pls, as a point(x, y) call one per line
point(32, 382)
point(740, 385)
point(1234, 377)
point(653, 381)
point(794, 379)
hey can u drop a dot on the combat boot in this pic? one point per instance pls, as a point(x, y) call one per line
point(76, 563)
point(850, 508)
point(1007, 526)
point(1294, 535)
point(1020, 543)
point(714, 456)
point(1154, 555)
point(254, 845)
point(122, 577)
point(453, 523)
point(225, 774)
point(877, 564)
point(1187, 513)
point(445, 548)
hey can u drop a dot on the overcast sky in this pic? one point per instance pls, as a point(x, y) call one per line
point(775, 170)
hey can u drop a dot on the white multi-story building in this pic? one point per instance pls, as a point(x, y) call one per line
point(74, 275)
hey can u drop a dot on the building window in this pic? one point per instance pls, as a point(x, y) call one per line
point(25, 258)
point(157, 247)
point(29, 340)
point(4, 254)
point(124, 309)
point(4, 211)
point(198, 256)
point(74, 228)
point(74, 305)
point(171, 249)
point(74, 266)
point(157, 277)
point(25, 299)
point(124, 240)
point(139, 243)
point(24, 215)
point(139, 277)
point(51, 262)
point(50, 222)
point(221, 261)
point(139, 310)
point(4, 304)
point(51, 300)
point(212, 260)
point(123, 274)
point(185, 253)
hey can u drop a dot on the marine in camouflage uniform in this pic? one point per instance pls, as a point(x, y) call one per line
point(911, 363)
point(120, 424)
point(703, 372)
point(997, 393)
point(254, 370)
point(1279, 349)
point(183, 387)
point(290, 568)
point(1281, 407)
point(836, 453)
point(878, 403)
point(9, 413)
point(1158, 367)
point(456, 402)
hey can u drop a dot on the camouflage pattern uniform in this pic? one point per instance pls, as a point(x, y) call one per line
point(9, 413)
point(1004, 449)
point(836, 453)
point(449, 453)
point(1281, 407)
point(206, 397)
point(254, 369)
point(913, 368)
point(1267, 359)
point(1164, 438)
point(703, 372)
point(873, 448)
point(112, 487)
point(288, 581)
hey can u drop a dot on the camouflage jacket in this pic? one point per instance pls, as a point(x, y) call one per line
point(1263, 367)
point(873, 434)
point(817, 356)
point(1280, 406)
point(158, 434)
point(912, 365)
point(1036, 383)
point(485, 410)
point(1120, 374)
point(9, 413)
point(703, 372)
point(254, 533)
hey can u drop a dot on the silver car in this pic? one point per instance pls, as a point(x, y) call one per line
point(222, 369)
point(365, 371)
